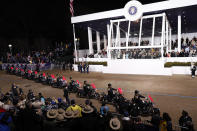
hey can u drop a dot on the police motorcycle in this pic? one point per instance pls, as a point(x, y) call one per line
point(93, 93)
point(60, 83)
point(103, 97)
point(12, 70)
point(42, 78)
point(51, 80)
point(9, 69)
point(73, 86)
point(88, 92)
point(106, 98)
point(28, 74)
point(143, 107)
point(17, 71)
point(22, 72)
point(34, 75)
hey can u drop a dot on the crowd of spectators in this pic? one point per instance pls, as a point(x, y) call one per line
point(47, 55)
point(136, 54)
point(30, 112)
point(101, 54)
point(188, 49)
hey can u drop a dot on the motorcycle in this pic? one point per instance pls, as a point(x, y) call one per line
point(28, 74)
point(93, 94)
point(73, 87)
point(22, 72)
point(34, 75)
point(61, 82)
point(12, 70)
point(144, 108)
point(17, 71)
point(42, 78)
point(51, 80)
point(103, 97)
point(114, 100)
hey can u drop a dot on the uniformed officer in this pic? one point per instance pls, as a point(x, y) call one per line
point(193, 69)
point(66, 95)
point(87, 67)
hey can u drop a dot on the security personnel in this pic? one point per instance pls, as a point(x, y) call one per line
point(81, 67)
point(193, 69)
point(66, 95)
point(87, 67)
point(84, 67)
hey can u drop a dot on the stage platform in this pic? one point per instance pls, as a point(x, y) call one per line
point(139, 66)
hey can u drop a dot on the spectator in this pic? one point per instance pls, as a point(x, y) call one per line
point(5, 120)
point(104, 109)
point(185, 121)
point(155, 120)
point(168, 121)
point(74, 107)
point(87, 110)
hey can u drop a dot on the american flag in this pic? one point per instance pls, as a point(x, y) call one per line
point(71, 7)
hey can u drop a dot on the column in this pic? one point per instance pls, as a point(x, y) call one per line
point(153, 32)
point(75, 42)
point(105, 42)
point(109, 41)
point(170, 48)
point(117, 34)
point(90, 40)
point(167, 35)
point(119, 43)
point(163, 34)
point(179, 33)
point(108, 29)
point(98, 41)
point(140, 34)
point(112, 35)
point(128, 34)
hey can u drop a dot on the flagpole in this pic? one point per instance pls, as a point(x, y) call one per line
point(75, 43)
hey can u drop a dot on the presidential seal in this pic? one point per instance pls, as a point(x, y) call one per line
point(133, 10)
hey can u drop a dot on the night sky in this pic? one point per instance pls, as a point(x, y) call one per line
point(50, 19)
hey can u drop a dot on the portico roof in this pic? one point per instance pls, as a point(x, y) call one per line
point(186, 8)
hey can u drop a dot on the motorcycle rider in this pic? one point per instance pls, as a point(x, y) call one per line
point(137, 98)
point(110, 91)
point(71, 80)
point(86, 88)
point(71, 84)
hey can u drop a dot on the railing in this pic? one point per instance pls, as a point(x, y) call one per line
point(181, 59)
